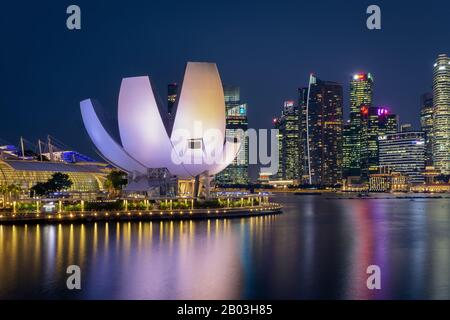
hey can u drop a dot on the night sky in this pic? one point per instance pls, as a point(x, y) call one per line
point(266, 48)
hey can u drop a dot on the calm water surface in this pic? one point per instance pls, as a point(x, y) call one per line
point(318, 248)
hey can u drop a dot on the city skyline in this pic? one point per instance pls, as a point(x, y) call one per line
point(228, 157)
point(325, 149)
point(66, 60)
point(372, 121)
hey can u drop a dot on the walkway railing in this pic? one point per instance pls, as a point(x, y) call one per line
point(157, 214)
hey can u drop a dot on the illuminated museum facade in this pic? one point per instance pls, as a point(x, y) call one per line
point(86, 178)
point(157, 150)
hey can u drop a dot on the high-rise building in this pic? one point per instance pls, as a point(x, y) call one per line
point(406, 127)
point(288, 141)
point(375, 122)
point(346, 148)
point(236, 127)
point(404, 153)
point(303, 163)
point(278, 124)
point(441, 114)
point(361, 92)
point(321, 121)
point(172, 90)
point(389, 124)
point(369, 141)
point(426, 124)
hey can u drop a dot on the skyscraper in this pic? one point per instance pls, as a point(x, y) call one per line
point(375, 122)
point(236, 127)
point(404, 153)
point(405, 127)
point(279, 125)
point(172, 90)
point(441, 114)
point(361, 92)
point(389, 124)
point(303, 163)
point(369, 141)
point(346, 148)
point(288, 141)
point(321, 121)
point(426, 124)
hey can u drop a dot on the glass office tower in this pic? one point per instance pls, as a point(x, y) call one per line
point(441, 114)
point(404, 152)
point(426, 124)
point(236, 127)
point(375, 122)
point(321, 126)
point(361, 93)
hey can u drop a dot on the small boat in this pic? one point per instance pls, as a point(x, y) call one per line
point(363, 195)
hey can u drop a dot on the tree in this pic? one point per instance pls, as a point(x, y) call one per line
point(10, 192)
point(4, 192)
point(4, 189)
point(39, 189)
point(58, 182)
point(115, 180)
point(14, 190)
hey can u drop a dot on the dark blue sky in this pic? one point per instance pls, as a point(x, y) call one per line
point(267, 48)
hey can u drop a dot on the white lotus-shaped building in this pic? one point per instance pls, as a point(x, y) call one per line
point(188, 143)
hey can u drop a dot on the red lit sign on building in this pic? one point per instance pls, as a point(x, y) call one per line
point(359, 76)
point(364, 110)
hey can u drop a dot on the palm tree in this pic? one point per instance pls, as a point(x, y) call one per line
point(14, 190)
point(3, 192)
point(115, 180)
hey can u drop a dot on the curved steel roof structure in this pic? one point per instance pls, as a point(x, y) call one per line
point(193, 144)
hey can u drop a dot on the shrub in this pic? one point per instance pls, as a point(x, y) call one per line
point(110, 205)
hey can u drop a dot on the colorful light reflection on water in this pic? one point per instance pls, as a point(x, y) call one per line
point(319, 248)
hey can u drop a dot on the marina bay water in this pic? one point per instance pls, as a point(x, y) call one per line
point(320, 247)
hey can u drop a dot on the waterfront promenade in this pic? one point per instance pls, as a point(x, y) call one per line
point(136, 215)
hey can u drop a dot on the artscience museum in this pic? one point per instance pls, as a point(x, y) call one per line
point(167, 154)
